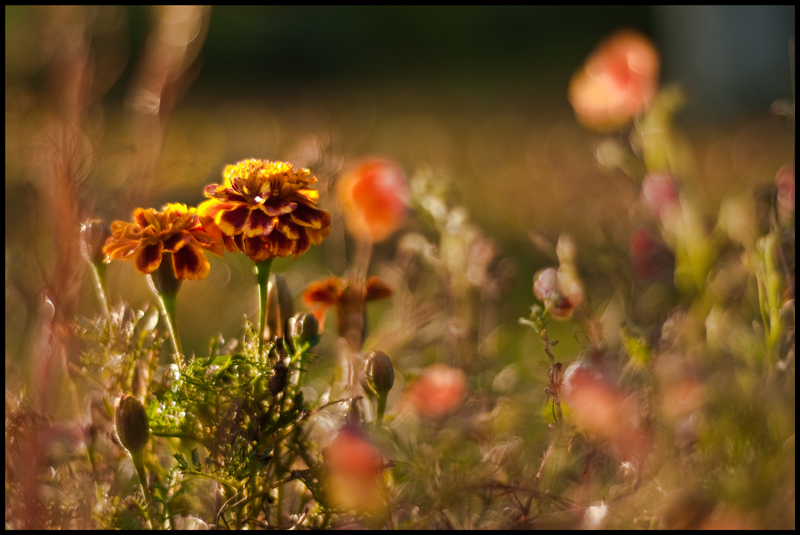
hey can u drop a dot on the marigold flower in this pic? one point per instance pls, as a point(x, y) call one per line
point(438, 390)
point(176, 229)
point(374, 198)
point(617, 82)
point(265, 210)
point(333, 291)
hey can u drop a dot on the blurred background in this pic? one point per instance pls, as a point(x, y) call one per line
point(110, 108)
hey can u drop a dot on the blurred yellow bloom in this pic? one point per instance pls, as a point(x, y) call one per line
point(265, 210)
point(617, 82)
point(175, 230)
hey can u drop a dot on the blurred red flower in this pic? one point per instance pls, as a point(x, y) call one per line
point(374, 198)
point(353, 467)
point(438, 390)
point(617, 82)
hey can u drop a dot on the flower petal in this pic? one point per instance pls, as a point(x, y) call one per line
point(377, 289)
point(311, 217)
point(190, 264)
point(316, 236)
point(259, 224)
point(119, 249)
point(148, 257)
point(176, 242)
point(287, 228)
point(276, 208)
point(301, 245)
point(203, 239)
point(232, 221)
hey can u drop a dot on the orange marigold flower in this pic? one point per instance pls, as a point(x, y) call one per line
point(265, 210)
point(335, 291)
point(617, 82)
point(176, 229)
point(374, 199)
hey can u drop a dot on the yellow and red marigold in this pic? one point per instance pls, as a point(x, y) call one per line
point(176, 229)
point(265, 210)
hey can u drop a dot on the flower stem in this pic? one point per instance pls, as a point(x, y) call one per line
point(381, 408)
point(166, 286)
point(169, 308)
point(138, 463)
point(100, 270)
point(262, 270)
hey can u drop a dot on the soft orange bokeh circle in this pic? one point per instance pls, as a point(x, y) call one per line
point(374, 198)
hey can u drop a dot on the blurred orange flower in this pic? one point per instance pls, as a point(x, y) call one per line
point(374, 198)
point(335, 291)
point(265, 210)
point(617, 82)
point(353, 466)
point(175, 230)
point(604, 412)
point(438, 390)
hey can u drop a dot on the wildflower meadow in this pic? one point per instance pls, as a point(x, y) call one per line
point(242, 293)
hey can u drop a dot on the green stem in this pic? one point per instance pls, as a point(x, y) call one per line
point(100, 270)
point(382, 396)
point(170, 309)
point(138, 463)
point(262, 270)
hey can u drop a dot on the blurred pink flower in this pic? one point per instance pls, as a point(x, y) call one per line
point(438, 390)
point(659, 193)
point(617, 82)
point(558, 290)
point(374, 198)
point(650, 256)
point(604, 412)
point(784, 179)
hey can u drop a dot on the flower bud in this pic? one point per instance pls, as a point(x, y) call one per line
point(379, 373)
point(94, 233)
point(130, 420)
point(304, 329)
point(280, 306)
point(278, 380)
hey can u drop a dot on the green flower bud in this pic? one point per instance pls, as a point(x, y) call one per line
point(379, 372)
point(304, 329)
point(130, 419)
